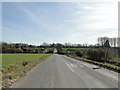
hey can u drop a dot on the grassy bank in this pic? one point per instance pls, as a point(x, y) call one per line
point(14, 66)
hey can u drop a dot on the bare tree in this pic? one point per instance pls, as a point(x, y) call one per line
point(114, 41)
point(99, 40)
point(118, 42)
point(45, 44)
point(102, 40)
point(111, 41)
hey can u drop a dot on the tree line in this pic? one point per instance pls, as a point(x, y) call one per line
point(114, 42)
point(46, 47)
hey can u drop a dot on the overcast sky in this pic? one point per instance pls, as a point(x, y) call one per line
point(80, 22)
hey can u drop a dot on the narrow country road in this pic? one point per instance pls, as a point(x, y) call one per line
point(60, 71)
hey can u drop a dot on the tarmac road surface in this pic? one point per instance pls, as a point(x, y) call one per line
point(60, 71)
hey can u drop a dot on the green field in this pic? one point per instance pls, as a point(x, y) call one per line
point(14, 66)
point(115, 58)
point(65, 49)
point(8, 59)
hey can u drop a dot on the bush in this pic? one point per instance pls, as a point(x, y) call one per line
point(60, 52)
point(96, 55)
point(18, 50)
point(78, 53)
point(14, 50)
point(36, 51)
point(119, 52)
point(50, 51)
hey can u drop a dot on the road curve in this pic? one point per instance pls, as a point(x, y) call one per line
point(60, 71)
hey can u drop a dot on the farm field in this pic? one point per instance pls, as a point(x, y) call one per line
point(10, 59)
point(114, 58)
point(14, 66)
point(65, 49)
